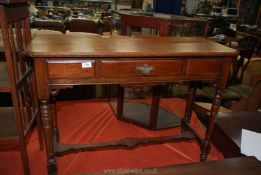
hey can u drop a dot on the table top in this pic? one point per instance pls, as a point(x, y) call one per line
point(123, 46)
point(34, 32)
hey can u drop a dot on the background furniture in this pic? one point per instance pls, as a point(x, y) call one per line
point(246, 48)
point(227, 131)
point(237, 166)
point(83, 25)
point(159, 21)
point(18, 78)
point(249, 12)
point(252, 72)
point(250, 99)
point(57, 25)
point(241, 97)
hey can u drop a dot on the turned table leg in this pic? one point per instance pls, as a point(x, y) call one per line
point(53, 94)
point(156, 91)
point(205, 148)
point(189, 105)
point(120, 101)
point(47, 121)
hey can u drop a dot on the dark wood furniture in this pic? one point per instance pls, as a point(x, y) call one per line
point(57, 25)
point(83, 25)
point(231, 166)
point(246, 47)
point(227, 131)
point(165, 23)
point(249, 102)
point(123, 60)
point(17, 77)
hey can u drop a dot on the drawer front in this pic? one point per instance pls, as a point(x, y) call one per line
point(139, 68)
point(204, 66)
point(71, 69)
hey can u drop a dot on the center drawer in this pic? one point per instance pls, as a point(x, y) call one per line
point(139, 68)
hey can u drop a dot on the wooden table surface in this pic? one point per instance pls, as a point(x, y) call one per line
point(116, 46)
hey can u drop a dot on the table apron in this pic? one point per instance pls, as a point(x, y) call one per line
point(116, 71)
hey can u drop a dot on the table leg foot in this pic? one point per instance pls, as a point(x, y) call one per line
point(205, 149)
point(184, 125)
point(52, 167)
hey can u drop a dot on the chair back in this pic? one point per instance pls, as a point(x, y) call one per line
point(16, 34)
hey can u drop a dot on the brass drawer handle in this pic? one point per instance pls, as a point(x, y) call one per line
point(145, 69)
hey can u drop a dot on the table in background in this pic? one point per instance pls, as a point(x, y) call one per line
point(227, 131)
point(165, 23)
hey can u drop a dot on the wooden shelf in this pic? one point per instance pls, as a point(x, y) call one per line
point(4, 82)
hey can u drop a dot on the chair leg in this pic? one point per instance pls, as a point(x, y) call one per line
point(54, 115)
point(38, 116)
point(24, 156)
point(40, 131)
point(189, 105)
point(120, 101)
point(156, 91)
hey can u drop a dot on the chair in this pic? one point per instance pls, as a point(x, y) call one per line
point(17, 77)
point(249, 92)
point(250, 83)
point(250, 101)
point(107, 25)
point(246, 48)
